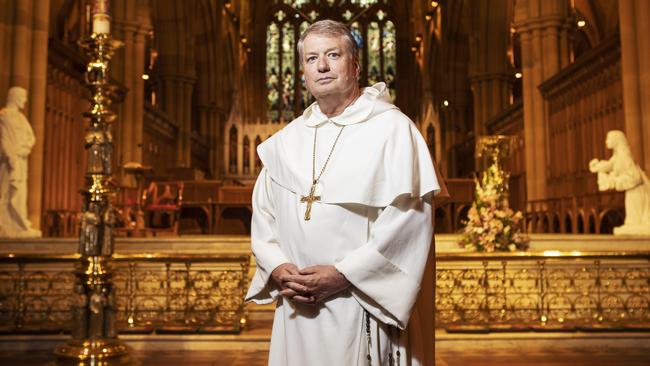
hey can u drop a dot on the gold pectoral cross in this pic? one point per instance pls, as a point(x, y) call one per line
point(310, 199)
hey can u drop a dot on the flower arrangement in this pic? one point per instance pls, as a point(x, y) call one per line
point(491, 224)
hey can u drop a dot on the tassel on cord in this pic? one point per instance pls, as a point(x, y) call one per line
point(394, 333)
point(397, 353)
point(368, 336)
point(394, 337)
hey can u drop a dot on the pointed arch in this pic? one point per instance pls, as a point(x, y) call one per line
point(246, 155)
point(431, 140)
point(232, 150)
point(258, 161)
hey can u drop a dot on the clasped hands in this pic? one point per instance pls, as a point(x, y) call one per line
point(309, 285)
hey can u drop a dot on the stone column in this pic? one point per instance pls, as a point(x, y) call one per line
point(125, 143)
point(211, 121)
point(635, 65)
point(543, 27)
point(489, 68)
point(24, 26)
point(138, 91)
point(132, 24)
point(186, 125)
point(177, 103)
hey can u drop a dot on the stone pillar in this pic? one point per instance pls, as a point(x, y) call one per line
point(489, 68)
point(132, 24)
point(543, 27)
point(24, 26)
point(186, 126)
point(211, 121)
point(138, 90)
point(177, 103)
point(125, 143)
point(635, 65)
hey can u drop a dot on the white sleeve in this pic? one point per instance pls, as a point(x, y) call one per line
point(386, 272)
point(264, 243)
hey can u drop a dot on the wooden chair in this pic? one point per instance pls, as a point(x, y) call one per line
point(161, 204)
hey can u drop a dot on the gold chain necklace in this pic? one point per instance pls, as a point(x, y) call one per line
point(311, 198)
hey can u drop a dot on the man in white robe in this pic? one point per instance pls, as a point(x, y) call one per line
point(342, 221)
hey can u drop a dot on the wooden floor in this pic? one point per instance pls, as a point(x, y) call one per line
point(586, 357)
point(452, 349)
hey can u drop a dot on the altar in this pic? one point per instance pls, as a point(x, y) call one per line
point(195, 284)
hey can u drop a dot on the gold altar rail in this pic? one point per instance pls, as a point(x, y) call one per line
point(474, 292)
point(551, 291)
point(154, 293)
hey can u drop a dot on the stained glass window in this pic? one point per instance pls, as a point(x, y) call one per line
point(272, 72)
point(371, 25)
point(357, 33)
point(389, 55)
point(288, 69)
point(305, 97)
point(374, 54)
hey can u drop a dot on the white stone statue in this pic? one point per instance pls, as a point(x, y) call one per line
point(16, 142)
point(621, 173)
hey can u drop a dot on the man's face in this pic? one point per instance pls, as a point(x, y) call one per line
point(329, 66)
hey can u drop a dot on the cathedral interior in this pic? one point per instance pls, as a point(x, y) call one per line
point(167, 135)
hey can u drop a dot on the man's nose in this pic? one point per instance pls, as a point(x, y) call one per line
point(323, 65)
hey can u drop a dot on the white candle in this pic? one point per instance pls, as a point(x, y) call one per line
point(101, 24)
point(101, 19)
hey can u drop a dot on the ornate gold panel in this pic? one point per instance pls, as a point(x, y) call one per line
point(540, 291)
point(153, 293)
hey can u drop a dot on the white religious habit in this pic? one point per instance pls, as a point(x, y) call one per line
point(372, 221)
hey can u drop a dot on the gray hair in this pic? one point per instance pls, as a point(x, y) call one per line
point(330, 28)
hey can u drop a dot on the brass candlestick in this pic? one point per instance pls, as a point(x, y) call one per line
point(492, 150)
point(495, 147)
point(94, 336)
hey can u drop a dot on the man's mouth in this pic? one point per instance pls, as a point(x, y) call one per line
point(325, 79)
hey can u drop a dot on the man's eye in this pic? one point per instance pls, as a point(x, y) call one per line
point(311, 58)
point(333, 55)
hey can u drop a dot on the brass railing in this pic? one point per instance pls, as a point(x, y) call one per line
point(562, 291)
point(154, 293)
point(543, 291)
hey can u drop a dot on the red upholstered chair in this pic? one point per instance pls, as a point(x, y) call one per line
point(161, 203)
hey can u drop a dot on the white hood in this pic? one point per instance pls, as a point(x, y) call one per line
point(373, 100)
point(381, 154)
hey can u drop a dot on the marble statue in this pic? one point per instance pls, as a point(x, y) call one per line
point(16, 142)
point(621, 173)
